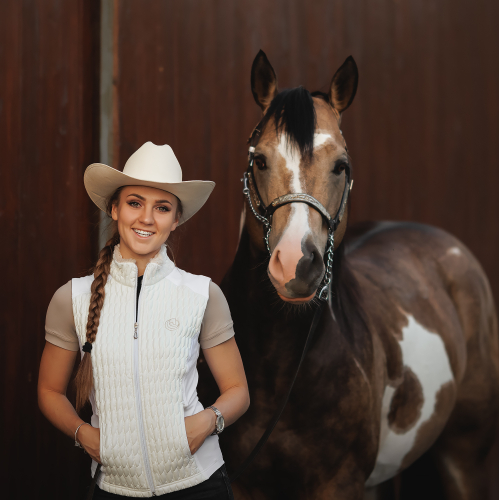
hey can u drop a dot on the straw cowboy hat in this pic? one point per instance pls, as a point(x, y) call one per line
point(153, 166)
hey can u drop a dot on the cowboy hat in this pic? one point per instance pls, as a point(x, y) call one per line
point(153, 166)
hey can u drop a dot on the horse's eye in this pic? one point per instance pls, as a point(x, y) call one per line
point(338, 169)
point(260, 163)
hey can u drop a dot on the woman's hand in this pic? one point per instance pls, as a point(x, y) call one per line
point(90, 438)
point(198, 427)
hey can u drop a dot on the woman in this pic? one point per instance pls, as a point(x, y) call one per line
point(139, 321)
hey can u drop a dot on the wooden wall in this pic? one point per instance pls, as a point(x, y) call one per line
point(422, 130)
point(48, 99)
point(422, 133)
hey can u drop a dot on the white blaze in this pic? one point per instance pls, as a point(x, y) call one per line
point(425, 354)
point(298, 224)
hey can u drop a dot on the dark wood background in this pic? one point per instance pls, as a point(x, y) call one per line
point(422, 133)
point(48, 110)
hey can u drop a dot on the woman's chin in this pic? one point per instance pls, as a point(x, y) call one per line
point(139, 248)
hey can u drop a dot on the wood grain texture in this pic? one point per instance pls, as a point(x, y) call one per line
point(47, 127)
point(422, 133)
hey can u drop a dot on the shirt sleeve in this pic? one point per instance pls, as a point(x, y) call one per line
point(217, 325)
point(59, 323)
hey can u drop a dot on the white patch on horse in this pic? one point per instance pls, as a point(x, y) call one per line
point(298, 223)
point(454, 251)
point(320, 139)
point(425, 354)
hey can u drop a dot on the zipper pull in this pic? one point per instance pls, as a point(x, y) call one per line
point(136, 325)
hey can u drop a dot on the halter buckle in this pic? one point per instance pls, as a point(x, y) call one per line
point(245, 183)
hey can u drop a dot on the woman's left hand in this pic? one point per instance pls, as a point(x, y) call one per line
point(198, 428)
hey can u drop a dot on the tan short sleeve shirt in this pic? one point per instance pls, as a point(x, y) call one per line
point(217, 325)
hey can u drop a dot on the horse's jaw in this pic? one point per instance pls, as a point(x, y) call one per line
point(300, 300)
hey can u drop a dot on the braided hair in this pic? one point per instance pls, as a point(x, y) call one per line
point(84, 380)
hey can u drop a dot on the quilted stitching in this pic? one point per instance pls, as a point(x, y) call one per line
point(163, 355)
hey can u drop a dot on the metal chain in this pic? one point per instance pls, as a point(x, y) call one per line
point(246, 192)
point(266, 239)
point(327, 279)
point(267, 224)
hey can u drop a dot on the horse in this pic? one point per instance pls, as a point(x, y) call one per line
point(405, 357)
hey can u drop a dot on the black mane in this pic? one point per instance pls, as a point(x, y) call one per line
point(294, 114)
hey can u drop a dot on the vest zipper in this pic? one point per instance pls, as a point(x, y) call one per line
point(142, 434)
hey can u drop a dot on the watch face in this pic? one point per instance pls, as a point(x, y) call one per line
point(220, 424)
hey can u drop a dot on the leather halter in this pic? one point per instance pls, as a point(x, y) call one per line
point(265, 213)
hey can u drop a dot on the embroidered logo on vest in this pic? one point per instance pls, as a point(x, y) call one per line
point(172, 324)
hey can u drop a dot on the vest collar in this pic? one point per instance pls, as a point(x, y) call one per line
point(125, 270)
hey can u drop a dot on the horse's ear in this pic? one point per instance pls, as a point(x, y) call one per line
point(344, 85)
point(264, 81)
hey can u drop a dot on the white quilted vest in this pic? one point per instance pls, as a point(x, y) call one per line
point(145, 377)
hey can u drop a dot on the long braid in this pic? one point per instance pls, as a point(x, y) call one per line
point(84, 379)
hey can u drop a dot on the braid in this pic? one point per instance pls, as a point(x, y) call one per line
point(84, 379)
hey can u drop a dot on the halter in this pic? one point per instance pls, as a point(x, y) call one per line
point(250, 190)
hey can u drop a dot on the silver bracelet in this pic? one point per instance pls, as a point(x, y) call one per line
point(219, 421)
point(76, 442)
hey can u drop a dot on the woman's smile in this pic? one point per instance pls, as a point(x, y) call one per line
point(142, 234)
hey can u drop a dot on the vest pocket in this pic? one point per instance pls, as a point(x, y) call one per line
point(101, 451)
point(184, 437)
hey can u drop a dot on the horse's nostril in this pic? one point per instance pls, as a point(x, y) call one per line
point(311, 253)
point(311, 265)
point(315, 256)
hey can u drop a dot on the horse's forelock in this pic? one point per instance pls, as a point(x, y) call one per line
point(294, 114)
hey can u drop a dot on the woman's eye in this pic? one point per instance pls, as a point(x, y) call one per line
point(338, 169)
point(164, 209)
point(134, 204)
point(260, 163)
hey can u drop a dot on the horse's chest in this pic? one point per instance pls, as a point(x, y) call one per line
point(414, 412)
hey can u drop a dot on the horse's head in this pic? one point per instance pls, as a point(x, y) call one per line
point(300, 150)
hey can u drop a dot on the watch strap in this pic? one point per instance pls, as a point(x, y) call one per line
point(218, 414)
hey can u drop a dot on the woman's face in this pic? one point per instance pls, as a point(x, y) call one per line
point(145, 218)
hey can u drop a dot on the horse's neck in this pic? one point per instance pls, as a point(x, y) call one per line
point(267, 325)
point(253, 301)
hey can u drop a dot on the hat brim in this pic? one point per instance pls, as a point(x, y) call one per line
point(101, 181)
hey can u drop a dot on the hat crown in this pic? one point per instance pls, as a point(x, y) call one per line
point(154, 163)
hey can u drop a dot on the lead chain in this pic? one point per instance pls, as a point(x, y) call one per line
point(325, 285)
point(246, 192)
point(266, 238)
point(267, 224)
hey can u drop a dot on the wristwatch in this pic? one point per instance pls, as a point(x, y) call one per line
point(219, 421)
